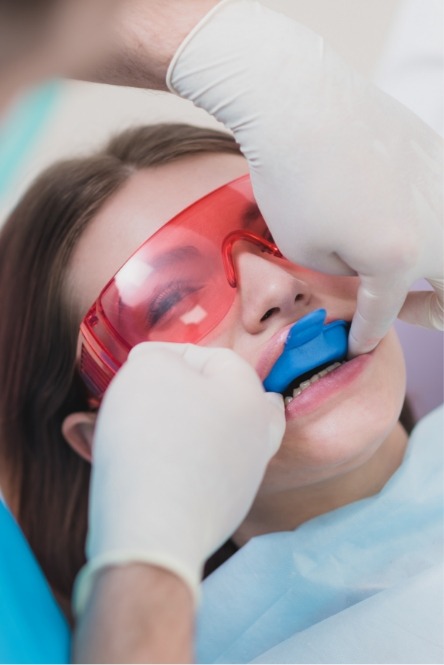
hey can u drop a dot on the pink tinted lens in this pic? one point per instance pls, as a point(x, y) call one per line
point(174, 288)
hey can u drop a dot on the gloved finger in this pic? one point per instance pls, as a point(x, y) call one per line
point(226, 367)
point(215, 361)
point(146, 349)
point(199, 358)
point(378, 303)
point(165, 356)
point(209, 361)
point(425, 308)
point(223, 364)
point(231, 371)
point(277, 421)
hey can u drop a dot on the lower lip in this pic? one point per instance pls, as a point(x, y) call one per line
point(327, 387)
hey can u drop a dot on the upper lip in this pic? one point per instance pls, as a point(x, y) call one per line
point(272, 351)
point(275, 347)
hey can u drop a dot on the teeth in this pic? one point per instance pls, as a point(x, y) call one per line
point(305, 384)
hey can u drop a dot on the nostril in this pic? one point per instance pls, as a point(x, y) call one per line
point(299, 297)
point(270, 312)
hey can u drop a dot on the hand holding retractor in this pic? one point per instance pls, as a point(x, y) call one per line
point(183, 438)
point(348, 180)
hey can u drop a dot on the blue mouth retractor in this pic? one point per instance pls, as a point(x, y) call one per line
point(310, 343)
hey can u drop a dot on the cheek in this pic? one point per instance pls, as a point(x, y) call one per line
point(330, 286)
point(339, 295)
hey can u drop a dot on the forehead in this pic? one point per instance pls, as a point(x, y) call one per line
point(148, 199)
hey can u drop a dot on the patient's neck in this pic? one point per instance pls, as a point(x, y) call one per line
point(288, 509)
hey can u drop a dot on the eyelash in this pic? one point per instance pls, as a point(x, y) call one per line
point(267, 236)
point(169, 297)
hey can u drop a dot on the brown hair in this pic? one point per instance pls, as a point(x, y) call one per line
point(38, 334)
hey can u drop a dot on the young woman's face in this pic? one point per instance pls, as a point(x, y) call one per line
point(334, 425)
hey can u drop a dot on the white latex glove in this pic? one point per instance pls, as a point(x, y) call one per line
point(182, 441)
point(348, 180)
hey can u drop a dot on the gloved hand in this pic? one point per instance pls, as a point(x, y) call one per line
point(182, 441)
point(348, 180)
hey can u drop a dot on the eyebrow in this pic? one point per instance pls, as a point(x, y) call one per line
point(185, 252)
point(250, 215)
point(176, 254)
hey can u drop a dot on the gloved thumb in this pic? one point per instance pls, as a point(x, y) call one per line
point(276, 409)
point(379, 301)
point(425, 308)
point(201, 359)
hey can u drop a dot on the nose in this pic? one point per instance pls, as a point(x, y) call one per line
point(269, 289)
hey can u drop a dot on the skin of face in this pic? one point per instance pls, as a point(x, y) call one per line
point(343, 439)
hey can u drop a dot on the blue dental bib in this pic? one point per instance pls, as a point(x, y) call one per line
point(310, 344)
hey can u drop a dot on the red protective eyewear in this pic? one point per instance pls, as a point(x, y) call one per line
point(177, 287)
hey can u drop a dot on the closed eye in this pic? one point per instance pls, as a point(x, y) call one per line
point(164, 302)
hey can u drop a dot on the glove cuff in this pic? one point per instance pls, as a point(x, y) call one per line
point(197, 28)
point(85, 579)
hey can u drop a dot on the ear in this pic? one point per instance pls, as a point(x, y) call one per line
point(78, 430)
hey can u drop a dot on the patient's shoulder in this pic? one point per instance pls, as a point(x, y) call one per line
point(430, 428)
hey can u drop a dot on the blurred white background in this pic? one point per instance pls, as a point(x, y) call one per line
point(85, 114)
point(372, 35)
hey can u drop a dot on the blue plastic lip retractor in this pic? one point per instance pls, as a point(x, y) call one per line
point(310, 343)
